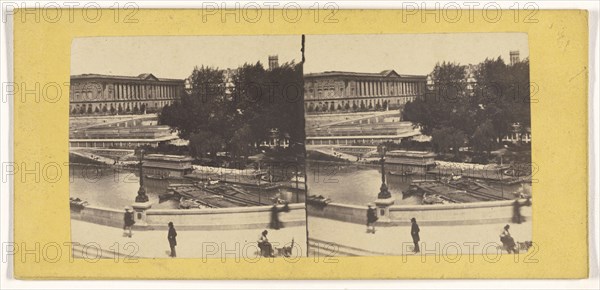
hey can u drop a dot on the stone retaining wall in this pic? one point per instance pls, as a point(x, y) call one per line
point(196, 219)
point(444, 214)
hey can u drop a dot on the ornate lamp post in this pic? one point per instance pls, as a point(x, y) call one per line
point(383, 190)
point(141, 197)
point(384, 198)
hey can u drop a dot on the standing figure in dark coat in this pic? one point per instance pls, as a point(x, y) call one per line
point(414, 232)
point(172, 237)
point(371, 219)
point(275, 222)
point(517, 217)
point(128, 222)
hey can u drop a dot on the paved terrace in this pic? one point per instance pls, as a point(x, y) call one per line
point(339, 238)
point(190, 243)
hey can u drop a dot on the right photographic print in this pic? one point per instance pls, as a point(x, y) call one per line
point(418, 144)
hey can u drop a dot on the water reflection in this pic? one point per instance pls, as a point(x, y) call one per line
point(113, 188)
point(355, 184)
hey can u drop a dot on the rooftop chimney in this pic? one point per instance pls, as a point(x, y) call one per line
point(273, 61)
point(514, 57)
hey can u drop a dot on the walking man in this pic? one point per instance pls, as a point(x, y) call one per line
point(172, 237)
point(128, 222)
point(414, 232)
point(275, 222)
point(371, 219)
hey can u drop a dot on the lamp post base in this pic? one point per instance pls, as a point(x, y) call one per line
point(383, 209)
point(140, 209)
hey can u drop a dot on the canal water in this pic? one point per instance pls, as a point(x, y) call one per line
point(343, 183)
point(106, 186)
point(113, 188)
point(355, 184)
point(359, 184)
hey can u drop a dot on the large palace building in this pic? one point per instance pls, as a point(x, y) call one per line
point(335, 91)
point(107, 94)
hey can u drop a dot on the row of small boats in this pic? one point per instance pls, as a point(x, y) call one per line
point(76, 202)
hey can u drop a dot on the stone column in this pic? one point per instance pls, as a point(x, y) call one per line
point(363, 90)
point(360, 88)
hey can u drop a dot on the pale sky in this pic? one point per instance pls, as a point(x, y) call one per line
point(176, 56)
point(407, 53)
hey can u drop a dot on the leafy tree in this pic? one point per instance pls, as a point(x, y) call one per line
point(502, 91)
point(447, 140)
point(483, 139)
point(498, 100)
point(241, 141)
point(240, 107)
point(445, 106)
point(202, 110)
point(203, 142)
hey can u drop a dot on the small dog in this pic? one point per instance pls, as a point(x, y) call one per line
point(286, 251)
point(524, 245)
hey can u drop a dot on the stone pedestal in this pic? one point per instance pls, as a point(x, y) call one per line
point(383, 209)
point(139, 212)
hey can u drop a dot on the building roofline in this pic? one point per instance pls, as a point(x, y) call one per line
point(141, 77)
point(383, 74)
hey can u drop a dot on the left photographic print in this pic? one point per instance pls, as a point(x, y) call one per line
point(187, 147)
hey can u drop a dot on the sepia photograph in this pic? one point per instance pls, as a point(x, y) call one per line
point(187, 147)
point(418, 144)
